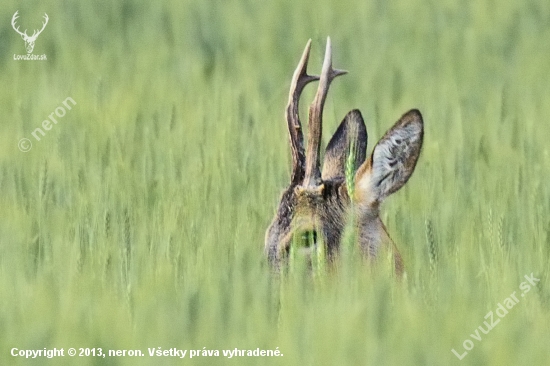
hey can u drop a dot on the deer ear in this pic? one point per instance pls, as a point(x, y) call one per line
point(351, 134)
point(392, 161)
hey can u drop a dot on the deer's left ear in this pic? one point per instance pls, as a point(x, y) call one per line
point(392, 161)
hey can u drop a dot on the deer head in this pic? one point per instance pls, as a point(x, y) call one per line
point(313, 210)
point(29, 41)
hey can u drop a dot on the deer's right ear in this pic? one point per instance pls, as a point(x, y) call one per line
point(351, 134)
point(392, 161)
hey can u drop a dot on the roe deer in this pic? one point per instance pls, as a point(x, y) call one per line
point(315, 205)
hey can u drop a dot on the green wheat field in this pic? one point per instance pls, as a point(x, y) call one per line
point(138, 220)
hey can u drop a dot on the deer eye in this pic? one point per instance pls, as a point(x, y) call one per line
point(308, 238)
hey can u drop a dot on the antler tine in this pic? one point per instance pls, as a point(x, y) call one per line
point(299, 80)
point(315, 123)
point(16, 28)
point(37, 32)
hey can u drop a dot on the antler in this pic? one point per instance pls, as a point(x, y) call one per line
point(24, 34)
point(299, 80)
point(13, 19)
point(315, 123)
point(36, 33)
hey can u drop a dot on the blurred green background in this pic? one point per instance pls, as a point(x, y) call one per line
point(138, 220)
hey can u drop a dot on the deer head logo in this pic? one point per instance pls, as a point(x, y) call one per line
point(29, 40)
point(313, 210)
